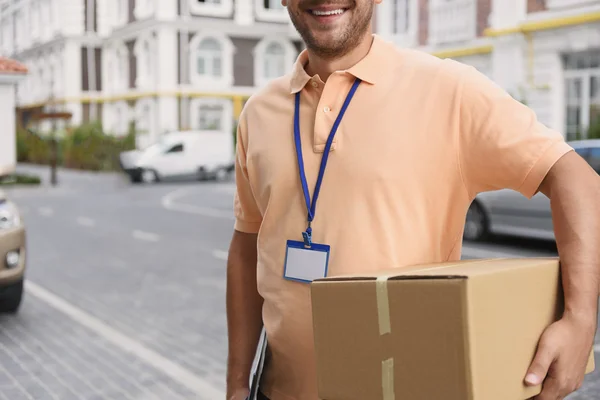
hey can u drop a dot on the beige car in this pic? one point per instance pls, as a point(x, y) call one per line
point(12, 256)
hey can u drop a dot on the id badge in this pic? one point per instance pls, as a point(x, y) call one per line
point(305, 264)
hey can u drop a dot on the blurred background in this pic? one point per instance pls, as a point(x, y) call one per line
point(117, 141)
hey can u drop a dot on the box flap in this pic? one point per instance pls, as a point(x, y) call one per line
point(444, 270)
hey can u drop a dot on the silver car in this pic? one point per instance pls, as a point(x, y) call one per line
point(507, 212)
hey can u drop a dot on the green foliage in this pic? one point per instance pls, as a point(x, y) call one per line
point(594, 129)
point(82, 147)
point(234, 133)
point(32, 148)
point(20, 179)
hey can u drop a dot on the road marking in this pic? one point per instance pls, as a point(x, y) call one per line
point(168, 202)
point(46, 211)
point(85, 221)
point(484, 253)
point(220, 254)
point(147, 236)
point(226, 188)
point(204, 389)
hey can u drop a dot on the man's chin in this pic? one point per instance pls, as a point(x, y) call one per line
point(328, 51)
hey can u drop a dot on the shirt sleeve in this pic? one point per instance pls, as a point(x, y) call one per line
point(501, 143)
point(248, 217)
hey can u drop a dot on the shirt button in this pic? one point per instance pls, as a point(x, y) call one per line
point(326, 109)
point(315, 84)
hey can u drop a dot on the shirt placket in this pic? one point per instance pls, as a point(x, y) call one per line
point(328, 108)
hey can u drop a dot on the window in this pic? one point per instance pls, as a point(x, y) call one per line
point(178, 148)
point(121, 115)
point(210, 117)
point(35, 20)
point(401, 16)
point(119, 70)
point(143, 8)
point(212, 114)
point(398, 21)
point(274, 57)
point(122, 12)
point(7, 37)
point(452, 21)
point(46, 20)
point(274, 62)
point(143, 53)
point(582, 91)
point(273, 4)
point(211, 60)
point(143, 120)
point(212, 8)
point(270, 11)
point(19, 31)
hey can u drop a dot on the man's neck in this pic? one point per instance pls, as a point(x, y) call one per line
point(325, 67)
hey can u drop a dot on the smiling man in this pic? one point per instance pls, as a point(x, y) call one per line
point(366, 156)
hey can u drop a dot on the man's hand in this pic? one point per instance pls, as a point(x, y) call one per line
point(562, 357)
point(239, 394)
point(573, 188)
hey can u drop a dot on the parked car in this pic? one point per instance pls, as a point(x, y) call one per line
point(507, 212)
point(181, 155)
point(12, 256)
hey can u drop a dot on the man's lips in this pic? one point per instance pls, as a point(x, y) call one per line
point(327, 10)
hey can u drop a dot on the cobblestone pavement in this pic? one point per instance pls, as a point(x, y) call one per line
point(127, 292)
point(46, 355)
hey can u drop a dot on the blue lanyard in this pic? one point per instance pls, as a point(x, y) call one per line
point(311, 207)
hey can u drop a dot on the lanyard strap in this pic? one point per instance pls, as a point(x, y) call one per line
point(311, 207)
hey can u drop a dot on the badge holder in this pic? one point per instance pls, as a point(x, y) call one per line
point(306, 261)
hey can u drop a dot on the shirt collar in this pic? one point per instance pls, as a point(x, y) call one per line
point(366, 69)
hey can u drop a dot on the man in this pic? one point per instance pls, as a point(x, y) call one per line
point(418, 139)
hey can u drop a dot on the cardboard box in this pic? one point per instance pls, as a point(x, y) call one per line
point(464, 330)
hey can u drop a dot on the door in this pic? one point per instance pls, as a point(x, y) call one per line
point(514, 214)
point(170, 162)
point(593, 158)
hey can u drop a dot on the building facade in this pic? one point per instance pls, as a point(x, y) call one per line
point(191, 64)
point(163, 64)
point(546, 53)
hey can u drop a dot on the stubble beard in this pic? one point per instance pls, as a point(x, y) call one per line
point(348, 39)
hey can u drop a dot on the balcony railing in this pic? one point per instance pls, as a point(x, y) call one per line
point(452, 20)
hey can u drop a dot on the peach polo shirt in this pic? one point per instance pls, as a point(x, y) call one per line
point(421, 137)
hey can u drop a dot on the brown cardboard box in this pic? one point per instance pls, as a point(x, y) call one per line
point(464, 330)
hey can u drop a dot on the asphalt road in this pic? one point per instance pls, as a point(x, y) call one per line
point(126, 291)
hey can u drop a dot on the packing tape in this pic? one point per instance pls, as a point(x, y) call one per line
point(383, 305)
point(385, 326)
point(387, 379)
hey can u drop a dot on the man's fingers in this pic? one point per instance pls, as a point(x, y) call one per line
point(540, 365)
point(551, 390)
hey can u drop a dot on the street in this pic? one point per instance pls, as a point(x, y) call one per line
point(125, 292)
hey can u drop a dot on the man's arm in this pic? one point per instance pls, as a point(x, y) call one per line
point(502, 145)
point(574, 192)
point(244, 305)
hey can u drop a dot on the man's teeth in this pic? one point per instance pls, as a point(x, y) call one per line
point(326, 13)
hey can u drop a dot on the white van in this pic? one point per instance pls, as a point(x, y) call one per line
point(187, 154)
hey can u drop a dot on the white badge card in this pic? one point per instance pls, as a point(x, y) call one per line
point(305, 264)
